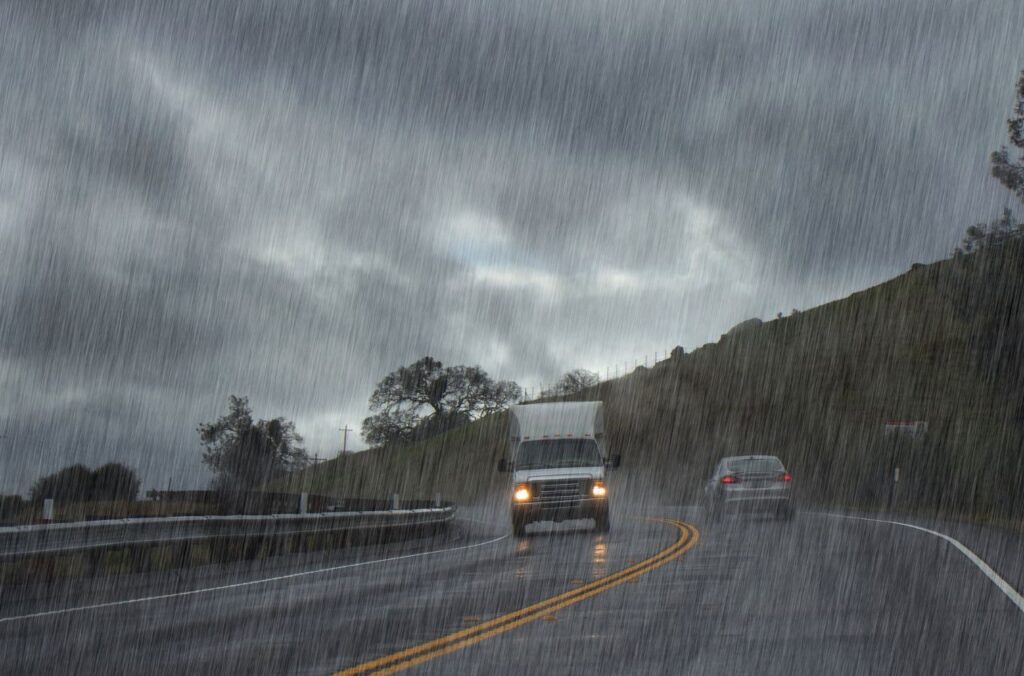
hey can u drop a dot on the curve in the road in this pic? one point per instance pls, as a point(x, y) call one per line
point(992, 575)
point(409, 657)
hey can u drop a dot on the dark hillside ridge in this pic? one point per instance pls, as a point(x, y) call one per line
point(943, 343)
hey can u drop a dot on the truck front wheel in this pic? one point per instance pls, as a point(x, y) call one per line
point(602, 523)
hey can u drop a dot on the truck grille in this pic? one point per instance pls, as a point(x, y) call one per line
point(565, 490)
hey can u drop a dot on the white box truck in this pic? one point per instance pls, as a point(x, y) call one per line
point(558, 456)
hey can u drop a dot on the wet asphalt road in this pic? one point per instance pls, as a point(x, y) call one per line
point(816, 595)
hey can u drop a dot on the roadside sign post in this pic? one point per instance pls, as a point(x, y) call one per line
point(902, 436)
point(895, 486)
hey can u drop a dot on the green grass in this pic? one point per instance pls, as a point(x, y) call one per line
point(942, 343)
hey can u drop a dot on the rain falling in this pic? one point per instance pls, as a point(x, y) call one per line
point(451, 337)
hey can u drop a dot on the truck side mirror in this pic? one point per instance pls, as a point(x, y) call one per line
point(613, 462)
point(503, 465)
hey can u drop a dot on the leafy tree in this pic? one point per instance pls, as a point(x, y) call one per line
point(1011, 175)
point(70, 484)
point(1006, 171)
point(115, 481)
point(572, 382)
point(78, 483)
point(426, 398)
point(995, 233)
point(245, 454)
point(10, 505)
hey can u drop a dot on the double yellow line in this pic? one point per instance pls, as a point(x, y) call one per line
point(403, 659)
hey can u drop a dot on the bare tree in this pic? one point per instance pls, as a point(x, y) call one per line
point(572, 382)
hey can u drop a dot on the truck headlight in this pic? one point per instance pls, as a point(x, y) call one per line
point(598, 490)
point(522, 493)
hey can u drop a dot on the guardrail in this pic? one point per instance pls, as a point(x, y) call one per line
point(20, 541)
point(35, 550)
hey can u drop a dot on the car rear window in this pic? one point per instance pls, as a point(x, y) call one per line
point(755, 465)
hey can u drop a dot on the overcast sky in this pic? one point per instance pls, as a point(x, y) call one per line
point(289, 200)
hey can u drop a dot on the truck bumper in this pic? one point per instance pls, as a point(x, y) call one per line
point(531, 512)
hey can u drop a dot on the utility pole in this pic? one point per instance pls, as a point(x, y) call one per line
point(344, 439)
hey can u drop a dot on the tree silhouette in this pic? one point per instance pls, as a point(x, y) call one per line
point(246, 454)
point(572, 382)
point(1006, 171)
point(426, 398)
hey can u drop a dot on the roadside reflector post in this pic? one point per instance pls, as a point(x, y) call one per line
point(48, 510)
point(303, 503)
point(437, 499)
point(394, 501)
point(895, 487)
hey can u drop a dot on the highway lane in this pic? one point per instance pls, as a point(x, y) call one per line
point(318, 623)
point(817, 595)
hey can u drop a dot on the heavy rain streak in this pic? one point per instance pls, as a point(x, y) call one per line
point(512, 337)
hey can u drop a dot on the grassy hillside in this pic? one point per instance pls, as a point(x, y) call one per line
point(942, 343)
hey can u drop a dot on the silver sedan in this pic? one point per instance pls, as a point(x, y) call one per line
point(758, 483)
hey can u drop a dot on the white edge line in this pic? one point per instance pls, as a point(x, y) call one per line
point(248, 583)
point(992, 575)
point(85, 546)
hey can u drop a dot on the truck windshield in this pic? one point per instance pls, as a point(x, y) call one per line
point(551, 453)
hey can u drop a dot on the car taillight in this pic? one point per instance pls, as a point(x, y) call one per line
point(730, 479)
point(785, 477)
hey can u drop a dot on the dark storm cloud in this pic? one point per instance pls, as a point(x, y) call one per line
point(124, 142)
point(288, 200)
point(787, 96)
